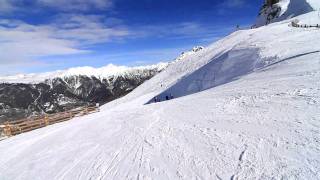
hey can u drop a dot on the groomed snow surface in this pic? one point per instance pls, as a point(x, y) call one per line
point(257, 116)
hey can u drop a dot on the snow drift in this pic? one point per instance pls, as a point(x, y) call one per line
point(250, 110)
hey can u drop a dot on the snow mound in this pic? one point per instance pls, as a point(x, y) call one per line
point(273, 11)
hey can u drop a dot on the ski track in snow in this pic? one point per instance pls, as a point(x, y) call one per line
point(182, 140)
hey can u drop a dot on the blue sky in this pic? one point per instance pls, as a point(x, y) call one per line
point(46, 35)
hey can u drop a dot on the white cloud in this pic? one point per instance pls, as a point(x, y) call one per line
point(74, 30)
point(24, 42)
point(6, 6)
point(68, 33)
point(9, 6)
point(21, 42)
point(87, 29)
point(78, 5)
point(234, 3)
point(147, 56)
point(185, 30)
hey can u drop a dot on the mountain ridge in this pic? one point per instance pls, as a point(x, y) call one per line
point(102, 72)
point(279, 10)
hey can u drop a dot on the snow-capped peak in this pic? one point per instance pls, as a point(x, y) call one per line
point(102, 72)
point(109, 70)
point(188, 53)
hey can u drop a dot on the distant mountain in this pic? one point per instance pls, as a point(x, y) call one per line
point(30, 94)
point(100, 73)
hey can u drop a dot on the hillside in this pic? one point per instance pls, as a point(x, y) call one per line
point(278, 10)
point(245, 107)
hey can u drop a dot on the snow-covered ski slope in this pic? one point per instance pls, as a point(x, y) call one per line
point(248, 108)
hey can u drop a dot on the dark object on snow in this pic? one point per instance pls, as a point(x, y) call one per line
point(167, 97)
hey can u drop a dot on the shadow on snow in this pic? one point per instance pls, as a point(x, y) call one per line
point(222, 69)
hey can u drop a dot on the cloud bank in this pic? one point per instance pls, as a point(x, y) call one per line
point(67, 33)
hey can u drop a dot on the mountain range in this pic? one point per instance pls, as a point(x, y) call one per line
point(26, 95)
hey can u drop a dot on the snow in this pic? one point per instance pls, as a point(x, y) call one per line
point(288, 9)
point(315, 4)
point(189, 53)
point(255, 117)
point(103, 72)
